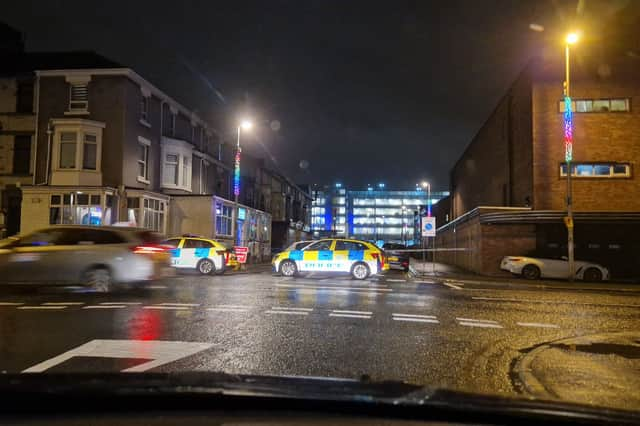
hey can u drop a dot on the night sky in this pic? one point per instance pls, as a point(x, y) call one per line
point(366, 92)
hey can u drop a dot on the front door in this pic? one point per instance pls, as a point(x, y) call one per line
point(317, 256)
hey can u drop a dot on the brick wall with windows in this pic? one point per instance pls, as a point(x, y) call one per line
point(606, 145)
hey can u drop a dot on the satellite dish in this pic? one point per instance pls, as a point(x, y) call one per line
point(304, 164)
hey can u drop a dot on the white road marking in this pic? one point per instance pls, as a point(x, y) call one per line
point(413, 315)
point(233, 306)
point(192, 305)
point(394, 280)
point(287, 308)
point(381, 289)
point(476, 320)
point(339, 311)
point(333, 314)
point(453, 286)
point(41, 308)
point(227, 310)
point(11, 303)
point(480, 324)
point(158, 352)
point(282, 312)
point(104, 306)
point(411, 319)
point(62, 303)
point(537, 324)
point(156, 287)
point(168, 308)
point(120, 303)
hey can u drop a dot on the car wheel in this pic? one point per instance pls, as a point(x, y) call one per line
point(360, 271)
point(288, 268)
point(206, 267)
point(531, 272)
point(99, 280)
point(592, 275)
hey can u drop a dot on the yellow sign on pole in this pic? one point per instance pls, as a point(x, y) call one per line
point(568, 222)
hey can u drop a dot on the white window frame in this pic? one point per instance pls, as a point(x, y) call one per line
point(611, 175)
point(204, 165)
point(574, 105)
point(78, 106)
point(228, 219)
point(146, 143)
point(182, 150)
point(80, 127)
point(84, 143)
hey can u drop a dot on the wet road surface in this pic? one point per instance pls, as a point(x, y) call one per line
point(465, 336)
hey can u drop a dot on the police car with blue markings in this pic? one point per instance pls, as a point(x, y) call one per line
point(359, 258)
point(205, 255)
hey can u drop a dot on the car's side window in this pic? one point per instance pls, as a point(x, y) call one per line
point(196, 244)
point(173, 242)
point(98, 236)
point(320, 245)
point(70, 237)
point(47, 237)
point(349, 245)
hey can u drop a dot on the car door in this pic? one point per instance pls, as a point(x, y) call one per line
point(316, 256)
point(175, 252)
point(346, 253)
point(555, 268)
point(193, 250)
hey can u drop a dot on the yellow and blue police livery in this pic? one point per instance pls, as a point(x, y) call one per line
point(205, 255)
point(359, 258)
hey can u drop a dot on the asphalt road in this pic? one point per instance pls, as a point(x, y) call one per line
point(474, 336)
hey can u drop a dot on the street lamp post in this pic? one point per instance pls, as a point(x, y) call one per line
point(424, 261)
point(572, 38)
point(244, 125)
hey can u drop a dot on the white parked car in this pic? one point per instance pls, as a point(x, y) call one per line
point(534, 268)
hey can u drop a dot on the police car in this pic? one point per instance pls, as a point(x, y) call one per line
point(205, 255)
point(359, 258)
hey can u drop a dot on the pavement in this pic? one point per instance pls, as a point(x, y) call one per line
point(502, 338)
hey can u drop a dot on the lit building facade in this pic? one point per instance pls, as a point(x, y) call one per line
point(375, 214)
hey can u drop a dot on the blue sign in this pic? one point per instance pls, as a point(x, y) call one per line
point(242, 214)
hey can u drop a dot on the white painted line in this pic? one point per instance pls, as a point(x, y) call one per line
point(62, 303)
point(156, 287)
point(233, 306)
point(120, 303)
point(349, 316)
point(11, 303)
point(413, 315)
point(480, 324)
point(168, 308)
point(394, 280)
point(227, 310)
point(506, 299)
point(338, 311)
point(411, 319)
point(537, 324)
point(287, 308)
point(192, 305)
point(476, 320)
point(453, 286)
point(104, 307)
point(42, 308)
point(287, 312)
point(156, 353)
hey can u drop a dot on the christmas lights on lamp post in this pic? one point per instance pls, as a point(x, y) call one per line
point(571, 38)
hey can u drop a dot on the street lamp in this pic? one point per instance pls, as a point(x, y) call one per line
point(246, 126)
point(571, 38)
point(428, 186)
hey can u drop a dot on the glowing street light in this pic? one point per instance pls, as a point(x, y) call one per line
point(428, 186)
point(572, 38)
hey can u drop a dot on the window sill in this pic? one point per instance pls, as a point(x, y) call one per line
point(143, 180)
point(77, 112)
point(172, 186)
point(145, 123)
point(76, 170)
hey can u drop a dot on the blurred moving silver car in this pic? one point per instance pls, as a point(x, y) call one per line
point(97, 257)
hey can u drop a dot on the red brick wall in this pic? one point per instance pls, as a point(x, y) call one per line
point(613, 136)
point(499, 241)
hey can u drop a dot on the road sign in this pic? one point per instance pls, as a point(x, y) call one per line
point(241, 253)
point(428, 226)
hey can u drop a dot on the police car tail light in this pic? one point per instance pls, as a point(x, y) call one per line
point(150, 248)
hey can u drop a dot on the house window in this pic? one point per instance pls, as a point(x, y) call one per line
point(204, 176)
point(89, 151)
point(153, 213)
point(76, 208)
point(171, 169)
point(143, 159)
point(68, 150)
point(172, 124)
point(78, 97)
point(144, 109)
point(597, 170)
point(186, 172)
point(598, 105)
point(21, 154)
point(224, 218)
point(194, 132)
point(24, 97)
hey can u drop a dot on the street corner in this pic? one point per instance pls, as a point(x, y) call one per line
point(599, 369)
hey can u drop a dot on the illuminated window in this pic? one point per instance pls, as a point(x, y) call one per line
point(597, 170)
point(339, 201)
point(597, 105)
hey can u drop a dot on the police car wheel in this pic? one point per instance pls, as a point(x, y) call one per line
point(360, 271)
point(288, 268)
point(206, 266)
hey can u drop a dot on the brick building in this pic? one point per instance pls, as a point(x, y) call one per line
point(508, 189)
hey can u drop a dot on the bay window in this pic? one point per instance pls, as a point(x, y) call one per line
point(176, 164)
point(77, 145)
point(68, 150)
